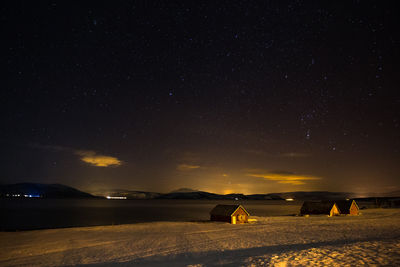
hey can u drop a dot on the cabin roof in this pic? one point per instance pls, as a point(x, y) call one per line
point(226, 210)
point(317, 207)
point(344, 205)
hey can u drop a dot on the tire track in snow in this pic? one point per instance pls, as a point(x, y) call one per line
point(200, 241)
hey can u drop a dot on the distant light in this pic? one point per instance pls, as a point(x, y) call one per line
point(110, 197)
point(31, 195)
point(289, 199)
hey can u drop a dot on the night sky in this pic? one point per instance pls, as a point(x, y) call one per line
point(221, 96)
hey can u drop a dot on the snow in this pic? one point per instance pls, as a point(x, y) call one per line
point(373, 238)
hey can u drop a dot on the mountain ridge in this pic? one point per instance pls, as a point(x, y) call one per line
point(42, 191)
point(63, 191)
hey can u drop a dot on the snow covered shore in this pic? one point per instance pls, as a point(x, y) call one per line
point(372, 238)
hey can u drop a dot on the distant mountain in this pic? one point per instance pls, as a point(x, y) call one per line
point(191, 195)
point(387, 194)
point(315, 195)
point(184, 190)
point(129, 194)
point(63, 191)
point(42, 190)
point(212, 196)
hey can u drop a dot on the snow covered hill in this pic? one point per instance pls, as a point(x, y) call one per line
point(372, 238)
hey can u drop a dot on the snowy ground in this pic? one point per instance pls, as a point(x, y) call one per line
point(372, 238)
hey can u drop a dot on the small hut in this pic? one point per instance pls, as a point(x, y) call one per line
point(229, 213)
point(319, 208)
point(347, 207)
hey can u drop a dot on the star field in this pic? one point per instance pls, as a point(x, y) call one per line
point(272, 87)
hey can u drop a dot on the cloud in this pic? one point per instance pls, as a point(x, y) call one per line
point(88, 156)
point(187, 167)
point(94, 159)
point(284, 177)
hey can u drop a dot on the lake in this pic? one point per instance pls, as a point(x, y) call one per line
point(29, 214)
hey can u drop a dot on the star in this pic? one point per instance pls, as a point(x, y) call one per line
point(308, 134)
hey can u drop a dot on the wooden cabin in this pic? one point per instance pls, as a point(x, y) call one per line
point(347, 207)
point(319, 208)
point(229, 213)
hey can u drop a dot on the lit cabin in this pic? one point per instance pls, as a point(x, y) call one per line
point(229, 213)
point(347, 207)
point(319, 208)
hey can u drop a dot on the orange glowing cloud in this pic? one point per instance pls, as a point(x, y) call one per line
point(187, 167)
point(285, 177)
point(89, 156)
point(97, 160)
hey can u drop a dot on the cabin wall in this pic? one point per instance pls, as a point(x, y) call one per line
point(353, 209)
point(334, 211)
point(304, 211)
point(241, 216)
point(220, 218)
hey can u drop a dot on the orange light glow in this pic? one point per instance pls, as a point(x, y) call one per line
point(227, 191)
point(98, 160)
point(285, 178)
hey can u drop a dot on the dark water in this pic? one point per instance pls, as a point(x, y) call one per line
point(28, 214)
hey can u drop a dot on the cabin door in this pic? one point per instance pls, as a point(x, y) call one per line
point(233, 219)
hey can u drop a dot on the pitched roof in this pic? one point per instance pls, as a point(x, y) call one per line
point(344, 205)
point(317, 207)
point(226, 210)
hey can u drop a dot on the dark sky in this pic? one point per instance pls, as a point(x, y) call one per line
point(222, 96)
